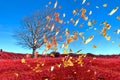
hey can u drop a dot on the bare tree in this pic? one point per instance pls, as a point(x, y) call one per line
point(41, 24)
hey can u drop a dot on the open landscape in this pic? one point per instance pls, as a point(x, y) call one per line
point(63, 67)
point(60, 40)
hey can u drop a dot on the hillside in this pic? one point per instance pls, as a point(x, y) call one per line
point(16, 67)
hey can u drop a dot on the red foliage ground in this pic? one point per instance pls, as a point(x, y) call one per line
point(61, 68)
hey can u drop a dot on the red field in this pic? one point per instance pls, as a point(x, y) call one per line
point(17, 67)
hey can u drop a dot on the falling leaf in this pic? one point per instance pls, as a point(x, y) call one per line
point(23, 60)
point(94, 46)
point(45, 38)
point(35, 41)
point(81, 35)
point(48, 17)
point(117, 31)
point(57, 31)
point(52, 27)
point(74, 11)
point(118, 17)
point(16, 74)
point(48, 26)
point(104, 31)
point(88, 39)
point(58, 65)
point(83, 11)
point(107, 38)
point(51, 68)
point(48, 45)
point(90, 12)
point(97, 7)
point(63, 45)
point(68, 63)
point(89, 23)
point(72, 20)
point(81, 25)
point(70, 39)
point(54, 42)
point(105, 23)
point(61, 21)
point(63, 15)
point(55, 5)
point(113, 11)
point(76, 22)
point(108, 26)
point(57, 17)
point(66, 46)
point(66, 32)
point(42, 64)
point(83, 1)
point(94, 21)
point(75, 36)
point(105, 5)
point(88, 70)
point(64, 51)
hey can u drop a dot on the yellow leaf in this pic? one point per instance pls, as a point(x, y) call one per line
point(81, 35)
point(89, 23)
point(65, 52)
point(113, 11)
point(88, 39)
point(94, 46)
point(66, 46)
point(69, 40)
point(23, 60)
point(105, 5)
point(107, 38)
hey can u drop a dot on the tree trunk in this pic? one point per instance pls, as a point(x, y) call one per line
point(34, 52)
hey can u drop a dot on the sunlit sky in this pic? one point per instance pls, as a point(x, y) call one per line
point(13, 11)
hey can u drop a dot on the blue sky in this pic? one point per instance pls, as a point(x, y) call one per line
point(13, 11)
